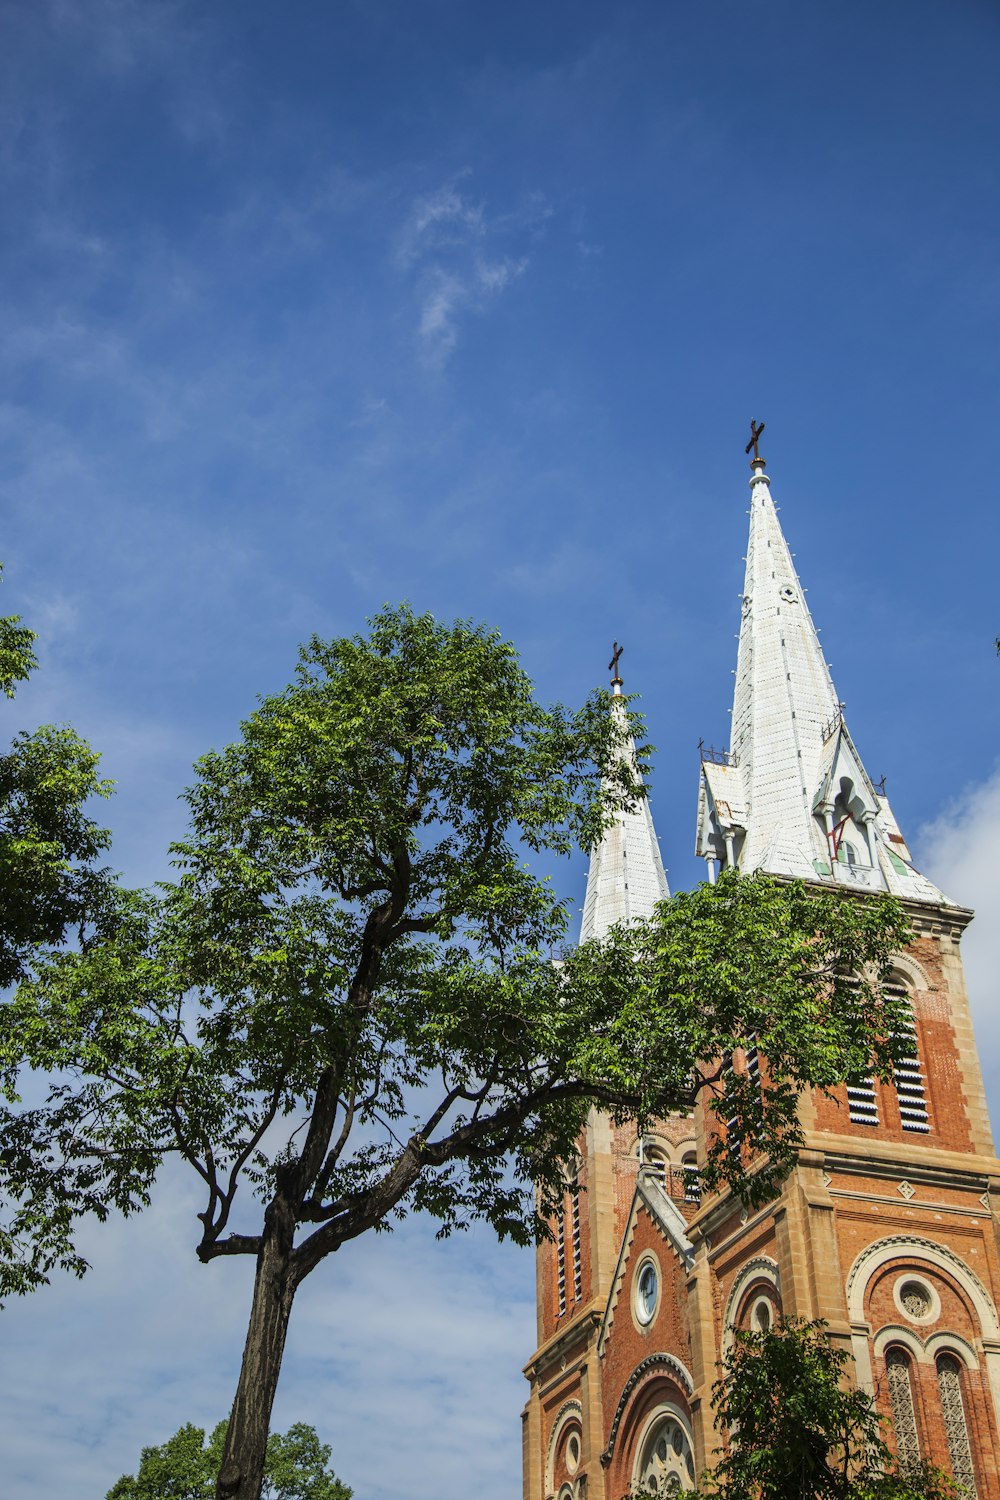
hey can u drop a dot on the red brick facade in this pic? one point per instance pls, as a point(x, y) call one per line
point(886, 1230)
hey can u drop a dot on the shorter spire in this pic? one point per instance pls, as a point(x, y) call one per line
point(626, 877)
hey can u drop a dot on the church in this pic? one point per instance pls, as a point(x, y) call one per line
point(887, 1226)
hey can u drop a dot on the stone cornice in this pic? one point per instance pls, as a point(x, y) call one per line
point(916, 1161)
point(557, 1346)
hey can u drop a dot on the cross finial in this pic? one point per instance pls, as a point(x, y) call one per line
point(755, 433)
point(616, 652)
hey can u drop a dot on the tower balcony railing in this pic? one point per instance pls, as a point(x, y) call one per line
point(679, 1183)
point(865, 877)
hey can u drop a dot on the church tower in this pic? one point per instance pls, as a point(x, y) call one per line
point(886, 1227)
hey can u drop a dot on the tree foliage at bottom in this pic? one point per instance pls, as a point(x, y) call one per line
point(796, 1431)
point(185, 1466)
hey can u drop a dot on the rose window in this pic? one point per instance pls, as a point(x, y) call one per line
point(667, 1463)
point(914, 1299)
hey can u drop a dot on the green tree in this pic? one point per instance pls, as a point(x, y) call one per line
point(798, 1431)
point(347, 999)
point(52, 889)
point(185, 1467)
point(49, 885)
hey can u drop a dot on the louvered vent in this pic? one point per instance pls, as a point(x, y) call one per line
point(861, 1103)
point(908, 1076)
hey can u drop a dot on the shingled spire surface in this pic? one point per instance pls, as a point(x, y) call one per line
point(792, 796)
point(626, 877)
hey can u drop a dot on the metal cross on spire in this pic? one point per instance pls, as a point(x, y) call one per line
point(616, 652)
point(755, 433)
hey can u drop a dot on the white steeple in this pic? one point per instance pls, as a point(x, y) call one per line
point(791, 796)
point(626, 878)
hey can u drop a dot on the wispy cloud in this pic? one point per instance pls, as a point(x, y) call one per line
point(460, 260)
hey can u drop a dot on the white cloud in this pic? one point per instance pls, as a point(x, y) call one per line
point(403, 1352)
point(439, 220)
point(453, 251)
point(958, 850)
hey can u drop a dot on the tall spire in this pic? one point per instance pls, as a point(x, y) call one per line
point(626, 878)
point(791, 796)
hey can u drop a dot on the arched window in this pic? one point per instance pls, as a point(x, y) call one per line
point(692, 1183)
point(904, 1418)
point(949, 1374)
point(653, 1156)
point(666, 1459)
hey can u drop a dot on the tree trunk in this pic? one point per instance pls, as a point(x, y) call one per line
point(242, 1471)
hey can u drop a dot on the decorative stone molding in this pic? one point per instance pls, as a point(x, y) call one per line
point(761, 1268)
point(926, 1351)
point(909, 970)
point(876, 1255)
point(895, 1333)
point(664, 1452)
point(662, 1361)
point(952, 1343)
point(916, 1298)
point(929, 1253)
point(571, 1411)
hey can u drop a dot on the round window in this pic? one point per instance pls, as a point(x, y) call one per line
point(647, 1288)
point(573, 1453)
point(761, 1315)
point(916, 1299)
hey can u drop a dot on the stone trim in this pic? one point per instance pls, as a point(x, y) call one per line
point(930, 1252)
point(881, 1251)
point(579, 1332)
point(926, 1351)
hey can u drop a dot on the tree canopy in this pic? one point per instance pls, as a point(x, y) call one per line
point(185, 1467)
point(347, 1001)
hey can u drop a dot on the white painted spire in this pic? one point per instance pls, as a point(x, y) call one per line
point(792, 796)
point(626, 878)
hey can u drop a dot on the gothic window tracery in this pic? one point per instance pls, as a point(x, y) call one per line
point(904, 1418)
point(949, 1373)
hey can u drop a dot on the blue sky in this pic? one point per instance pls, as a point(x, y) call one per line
point(312, 307)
